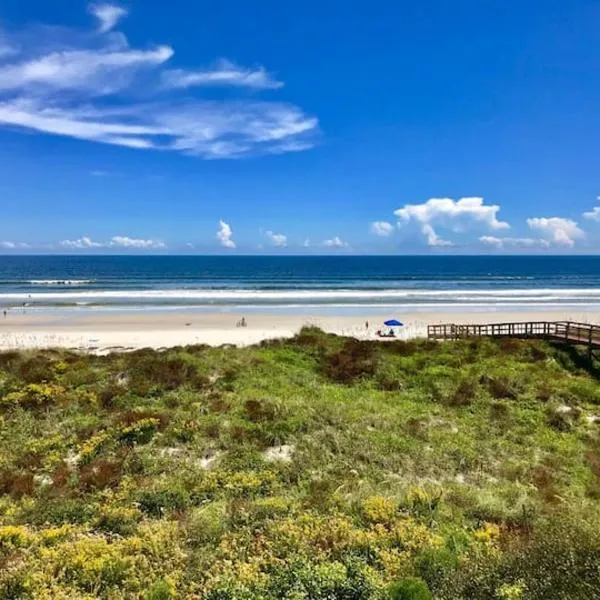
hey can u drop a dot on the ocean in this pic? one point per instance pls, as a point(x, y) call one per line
point(299, 283)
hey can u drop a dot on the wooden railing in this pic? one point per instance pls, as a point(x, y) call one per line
point(566, 331)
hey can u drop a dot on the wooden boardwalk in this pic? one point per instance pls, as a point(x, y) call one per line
point(559, 331)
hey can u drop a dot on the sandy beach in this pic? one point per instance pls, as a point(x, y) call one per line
point(108, 332)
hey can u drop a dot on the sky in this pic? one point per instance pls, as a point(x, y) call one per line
point(299, 128)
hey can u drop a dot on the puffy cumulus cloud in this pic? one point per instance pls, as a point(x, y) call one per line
point(277, 239)
point(88, 85)
point(433, 239)
point(123, 241)
point(594, 214)
point(224, 235)
point(507, 242)
point(81, 243)
point(381, 228)
point(455, 215)
point(117, 241)
point(335, 242)
point(557, 230)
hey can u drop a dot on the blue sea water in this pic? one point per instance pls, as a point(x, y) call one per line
point(301, 283)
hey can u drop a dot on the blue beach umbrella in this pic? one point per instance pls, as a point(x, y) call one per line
point(393, 323)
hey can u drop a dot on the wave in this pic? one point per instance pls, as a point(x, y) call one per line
point(229, 296)
point(60, 281)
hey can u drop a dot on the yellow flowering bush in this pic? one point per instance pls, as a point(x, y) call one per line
point(92, 446)
point(514, 591)
point(34, 395)
point(378, 509)
point(141, 432)
point(12, 537)
point(488, 533)
point(69, 563)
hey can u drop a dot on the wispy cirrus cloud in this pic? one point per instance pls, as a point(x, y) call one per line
point(108, 15)
point(87, 84)
point(224, 73)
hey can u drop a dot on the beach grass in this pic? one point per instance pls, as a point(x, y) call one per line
point(318, 467)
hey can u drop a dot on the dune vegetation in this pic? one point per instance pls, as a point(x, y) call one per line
point(318, 467)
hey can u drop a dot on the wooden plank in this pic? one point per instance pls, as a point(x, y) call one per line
point(567, 331)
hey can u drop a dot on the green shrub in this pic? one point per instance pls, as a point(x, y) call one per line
point(157, 503)
point(141, 432)
point(161, 590)
point(355, 360)
point(411, 588)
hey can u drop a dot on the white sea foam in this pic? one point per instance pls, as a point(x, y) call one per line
point(61, 281)
point(286, 296)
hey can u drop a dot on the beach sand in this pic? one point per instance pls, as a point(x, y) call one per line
point(108, 332)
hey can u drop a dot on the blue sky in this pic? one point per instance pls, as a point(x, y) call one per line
point(252, 127)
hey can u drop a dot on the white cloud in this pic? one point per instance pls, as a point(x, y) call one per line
point(94, 86)
point(118, 241)
point(96, 72)
point(277, 239)
point(455, 215)
point(127, 242)
point(225, 73)
point(81, 243)
point(382, 228)
point(8, 245)
point(503, 242)
point(108, 15)
point(594, 214)
point(224, 235)
point(433, 239)
point(335, 242)
point(306, 243)
point(559, 231)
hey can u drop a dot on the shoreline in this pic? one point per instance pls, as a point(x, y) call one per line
point(104, 332)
